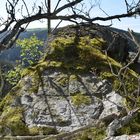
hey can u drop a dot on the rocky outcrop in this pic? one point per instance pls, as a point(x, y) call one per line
point(70, 90)
point(69, 107)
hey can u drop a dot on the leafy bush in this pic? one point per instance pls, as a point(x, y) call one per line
point(30, 50)
point(30, 54)
point(13, 76)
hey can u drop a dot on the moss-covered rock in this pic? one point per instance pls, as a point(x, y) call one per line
point(66, 78)
point(12, 122)
point(80, 99)
point(84, 56)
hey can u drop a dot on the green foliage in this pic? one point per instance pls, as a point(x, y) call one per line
point(30, 53)
point(30, 50)
point(13, 76)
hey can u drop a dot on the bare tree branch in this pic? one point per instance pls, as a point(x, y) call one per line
point(57, 5)
point(70, 4)
point(26, 7)
point(119, 123)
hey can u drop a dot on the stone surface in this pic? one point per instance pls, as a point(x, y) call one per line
point(125, 137)
point(113, 106)
point(53, 104)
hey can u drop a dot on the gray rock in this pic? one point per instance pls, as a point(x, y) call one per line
point(113, 106)
point(53, 105)
point(26, 99)
point(125, 137)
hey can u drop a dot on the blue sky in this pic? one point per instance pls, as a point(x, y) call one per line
point(111, 7)
point(117, 7)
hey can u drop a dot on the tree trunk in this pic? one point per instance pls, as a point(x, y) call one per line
point(49, 12)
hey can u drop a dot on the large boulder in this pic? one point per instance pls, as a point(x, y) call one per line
point(70, 89)
point(61, 102)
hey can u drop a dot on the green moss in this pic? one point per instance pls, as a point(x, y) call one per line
point(11, 117)
point(80, 55)
point(116, 84)
point(80, 99)
point(10, 97)
point(107, 75)
point(42, 130)
point(35, 82)
point(128, 80)
point(48, 130)
point(132, 128)
point(63, 80)
point(130, 83)
point(98, 42)
point(74, 56)
point(34, 131)
point(93, 133)
point(12, 121)
point(26, 71)
point(73, 77)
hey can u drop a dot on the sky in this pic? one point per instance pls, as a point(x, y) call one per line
point(111, 7)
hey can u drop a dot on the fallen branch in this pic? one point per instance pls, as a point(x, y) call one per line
point(120, 122)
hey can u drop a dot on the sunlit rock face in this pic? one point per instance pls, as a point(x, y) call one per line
point(67, 102)
point(126, 137)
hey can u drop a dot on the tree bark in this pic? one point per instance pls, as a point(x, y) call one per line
point(49, 14)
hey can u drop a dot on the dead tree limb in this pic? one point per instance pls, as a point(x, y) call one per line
point(120, 122)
